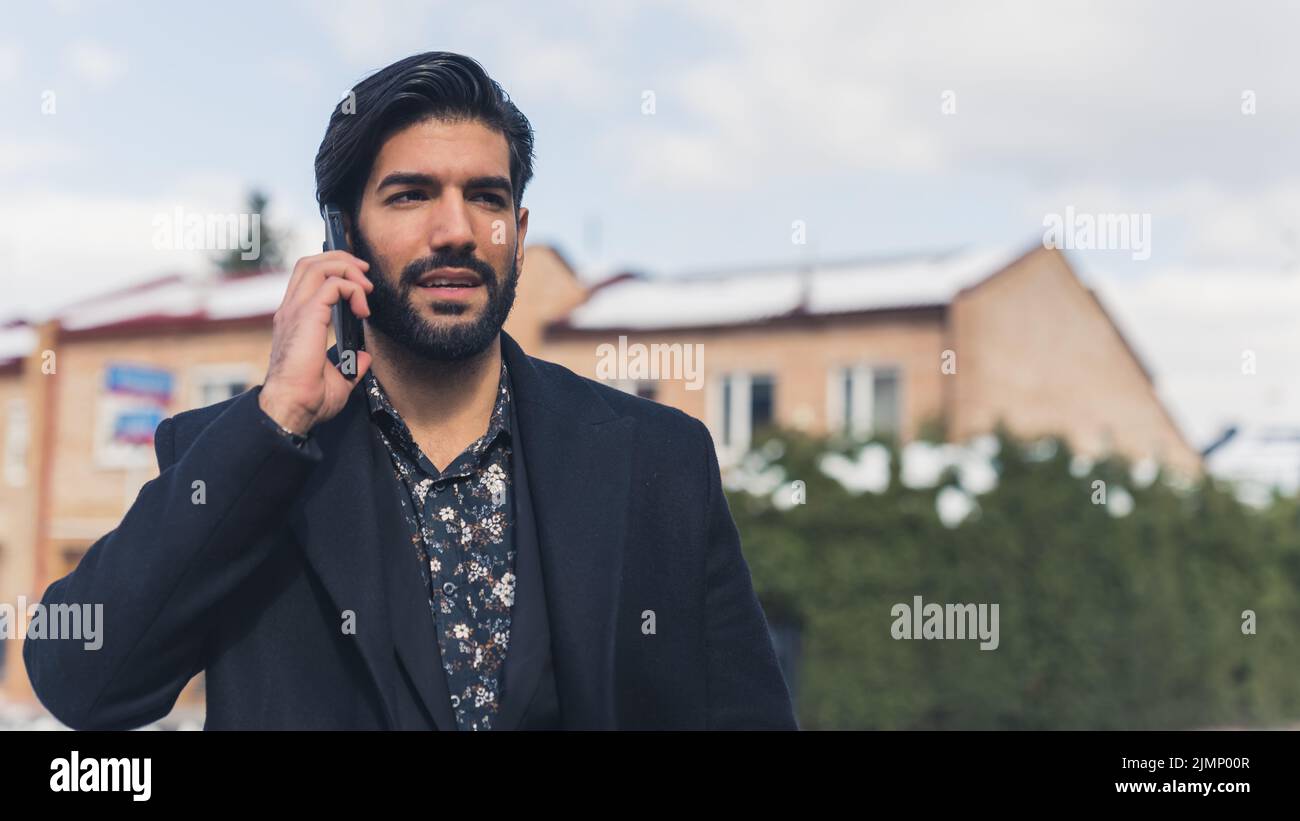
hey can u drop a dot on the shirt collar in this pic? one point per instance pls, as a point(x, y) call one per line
point(384, 414)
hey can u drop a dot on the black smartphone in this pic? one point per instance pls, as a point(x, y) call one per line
point(347, 327)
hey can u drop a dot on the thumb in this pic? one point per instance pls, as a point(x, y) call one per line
point(339, 387)
point(363, 364)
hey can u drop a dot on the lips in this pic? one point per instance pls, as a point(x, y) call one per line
point(450, 278)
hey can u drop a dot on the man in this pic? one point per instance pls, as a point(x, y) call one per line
point(457, 535)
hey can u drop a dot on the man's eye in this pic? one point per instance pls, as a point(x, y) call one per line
point(493, 198)
point(399, 197)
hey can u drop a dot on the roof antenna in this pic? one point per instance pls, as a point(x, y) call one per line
point(807, 266)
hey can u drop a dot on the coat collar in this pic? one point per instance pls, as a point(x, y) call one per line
point(578, 453)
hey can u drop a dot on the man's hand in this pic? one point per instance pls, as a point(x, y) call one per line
point(302, 387)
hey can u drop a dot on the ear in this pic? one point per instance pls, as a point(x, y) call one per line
point(522, 233)
point(347, 230)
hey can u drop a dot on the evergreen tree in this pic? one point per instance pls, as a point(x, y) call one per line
point(271, 243)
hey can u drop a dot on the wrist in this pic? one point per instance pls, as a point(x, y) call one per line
point(293, 422)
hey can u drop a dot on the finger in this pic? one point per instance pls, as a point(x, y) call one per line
point(295, 278)
point(350, 274)
point(316, 276)
point(310, 271)
point(363, 363)
point(341, 256)
point(355, 275)
point(335, 288)
point(331, 263)
point(340, 385)
point(360, 306)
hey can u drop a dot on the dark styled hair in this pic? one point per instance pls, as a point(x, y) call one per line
point(433, 84)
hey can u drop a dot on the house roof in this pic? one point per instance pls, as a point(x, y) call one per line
point(17, 341)
point(633, 301)
point(628, 301)
point(741, 297)
point(178, 298)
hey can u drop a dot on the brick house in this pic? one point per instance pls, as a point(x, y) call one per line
point(952, 342)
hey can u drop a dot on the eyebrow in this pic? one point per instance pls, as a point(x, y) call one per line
point(428, 181)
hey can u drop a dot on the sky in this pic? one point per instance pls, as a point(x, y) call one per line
point(883, 128)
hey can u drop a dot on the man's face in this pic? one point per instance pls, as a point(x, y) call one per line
point(438, 197)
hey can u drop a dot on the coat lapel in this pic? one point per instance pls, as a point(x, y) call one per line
point(578, 452)
point(578, 455)
point(348, 521)
point(334, 521)
point(415, 634)
point(530, 640)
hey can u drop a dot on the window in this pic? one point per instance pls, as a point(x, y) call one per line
point(214, 392)
point(3, 586)
point(726, 412)
point(864, 401)
point(644, 388)
point(133, 400)
point(16, 436)
point(70, 556)
point(217, 383)
point(742, 404)
point(847, 411)
point(884, 401)
point(760, 402)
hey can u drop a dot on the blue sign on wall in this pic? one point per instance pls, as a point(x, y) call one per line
point(136, 380)
point(136, 426)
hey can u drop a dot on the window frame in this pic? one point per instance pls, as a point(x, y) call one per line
point(862, 397)
point(731, 409)
point(198, 377)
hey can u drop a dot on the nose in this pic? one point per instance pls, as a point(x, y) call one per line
point(450, 229)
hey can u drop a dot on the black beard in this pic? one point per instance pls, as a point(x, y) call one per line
point(392, 313)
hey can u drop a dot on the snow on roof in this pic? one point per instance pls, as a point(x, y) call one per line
point(252, 296)
point(756, 295)
point(181, 297)
point(635, 302)
point(17, 341)
point(187, 297)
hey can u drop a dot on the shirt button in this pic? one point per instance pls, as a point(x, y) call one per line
point(449, 588)
point(439, 486)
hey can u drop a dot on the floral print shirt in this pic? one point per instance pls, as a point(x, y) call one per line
point(461, 521)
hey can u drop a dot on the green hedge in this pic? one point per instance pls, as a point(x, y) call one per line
point(1129, 622)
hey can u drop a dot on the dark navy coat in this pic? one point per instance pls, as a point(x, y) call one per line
point(252, 585)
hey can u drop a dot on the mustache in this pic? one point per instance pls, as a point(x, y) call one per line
point(411, 273)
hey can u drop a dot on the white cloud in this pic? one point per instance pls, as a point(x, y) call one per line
point(1115, 90)
point(1195, 327)
point(374, 33)
point(95, 64)
point(532, 69)
point(59, 246)
point(71, 8)
point(1210, 223)
point(29, 155)
point(564, 52)
point(791, 92)
point(10, 59)
point(288, 70)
